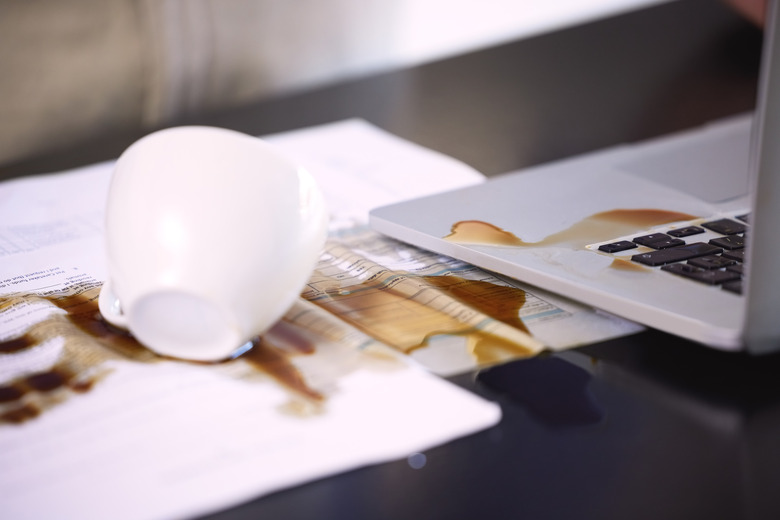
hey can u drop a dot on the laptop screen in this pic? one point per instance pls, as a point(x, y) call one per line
point(762, 330)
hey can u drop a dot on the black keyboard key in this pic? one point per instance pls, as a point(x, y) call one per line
point(652, 237)
point(737, 268)
point(676, 254)
point(658, 241)
point(708, 276)
point(725, 226)
point(735, 286)
point(735, 254)
point(615, 247)
point(729, 242)
point(685, 231)
point(665, 244)
point(711, 262)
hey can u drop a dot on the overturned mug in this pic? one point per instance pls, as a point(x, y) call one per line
point(210, 237)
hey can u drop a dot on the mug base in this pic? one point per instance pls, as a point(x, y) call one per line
point(183, 325)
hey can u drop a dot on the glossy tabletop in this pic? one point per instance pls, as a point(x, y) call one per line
point(646, 426)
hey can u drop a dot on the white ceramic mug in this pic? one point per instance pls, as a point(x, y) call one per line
point(210, 236)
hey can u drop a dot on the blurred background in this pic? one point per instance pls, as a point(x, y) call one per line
point(78, 70)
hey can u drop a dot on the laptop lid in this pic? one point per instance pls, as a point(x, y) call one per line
point(762, 324)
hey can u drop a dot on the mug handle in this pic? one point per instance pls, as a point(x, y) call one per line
point(109, 307)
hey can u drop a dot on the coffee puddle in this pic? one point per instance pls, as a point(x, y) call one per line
point(86, 342)
point(405, 312)
point(595, 228)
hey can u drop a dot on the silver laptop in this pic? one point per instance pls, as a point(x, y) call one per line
point(660, 232)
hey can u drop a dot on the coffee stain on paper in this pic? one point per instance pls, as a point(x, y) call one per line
point(276, 363)
point(402, 311)
point(406, 311)
point(501, 302)
point(78, 344)
point(17, 344)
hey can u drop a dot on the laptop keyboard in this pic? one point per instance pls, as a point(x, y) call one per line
point(707, 251)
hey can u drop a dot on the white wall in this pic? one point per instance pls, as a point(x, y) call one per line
point(305, 43)
point(430, 29)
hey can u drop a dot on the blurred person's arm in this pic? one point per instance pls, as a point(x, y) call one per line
point(78, 70)
point(751, 9)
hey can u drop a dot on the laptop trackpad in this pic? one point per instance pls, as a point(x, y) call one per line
point(711, 164)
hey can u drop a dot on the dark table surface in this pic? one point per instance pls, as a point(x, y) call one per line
point(646, 426)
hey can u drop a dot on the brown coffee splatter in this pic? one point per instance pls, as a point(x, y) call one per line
point(9, 393)
point(405, 311)
point(276, 363)
point(501, 302)
point(16, 344)
point(89, 342)
point(20, 414)
point(596, 228)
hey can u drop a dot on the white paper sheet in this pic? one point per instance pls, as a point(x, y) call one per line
point(159, 438)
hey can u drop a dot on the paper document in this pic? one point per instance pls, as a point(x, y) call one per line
point(93, 425)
